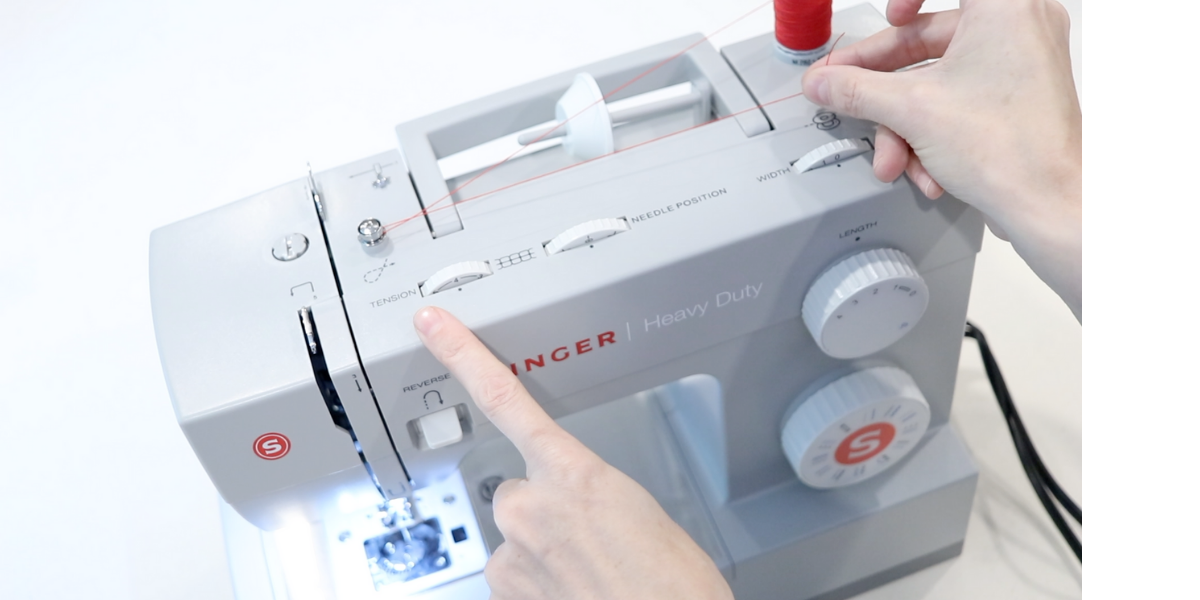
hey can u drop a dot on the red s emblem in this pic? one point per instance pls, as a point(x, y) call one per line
point(272, 446)
point(865, 443)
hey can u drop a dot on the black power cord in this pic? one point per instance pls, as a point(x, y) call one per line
point(1043, 482)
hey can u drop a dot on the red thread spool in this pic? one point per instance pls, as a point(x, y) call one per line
point(803, 25)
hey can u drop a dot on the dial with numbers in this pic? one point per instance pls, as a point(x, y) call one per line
point(865, 303)
point(855, 427)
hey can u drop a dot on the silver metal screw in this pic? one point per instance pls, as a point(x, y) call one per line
point(290, 247)
point(487, 487)
point(370, 232)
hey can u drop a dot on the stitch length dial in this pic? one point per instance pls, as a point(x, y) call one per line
point(865, 303)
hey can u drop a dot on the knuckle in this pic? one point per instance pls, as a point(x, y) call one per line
point(847, 95)
point(452, 349)
point(924, 92)
point(545, 442)
point(512, 512)
point(497, 571)
point(586, 469)
point(500, 393)
point(583, 472)
point(1059, 14)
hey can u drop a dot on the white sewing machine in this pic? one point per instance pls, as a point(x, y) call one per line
point(730, 308)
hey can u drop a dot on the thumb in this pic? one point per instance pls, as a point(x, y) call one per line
point(857, 92)
point(495, 390)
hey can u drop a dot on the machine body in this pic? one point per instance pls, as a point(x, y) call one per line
point(650, 299)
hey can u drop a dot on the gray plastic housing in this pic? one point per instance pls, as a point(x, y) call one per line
point(715, 213)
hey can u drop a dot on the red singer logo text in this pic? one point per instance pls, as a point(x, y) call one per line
point(865, 443)
point(272, 446)
point(562, 353)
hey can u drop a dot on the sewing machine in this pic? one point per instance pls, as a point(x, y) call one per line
point(697, 275)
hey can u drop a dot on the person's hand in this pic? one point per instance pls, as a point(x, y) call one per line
point(996, 121)
point(575, 527)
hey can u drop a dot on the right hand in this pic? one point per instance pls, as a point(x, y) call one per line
point(575, 527)
point(995, 121)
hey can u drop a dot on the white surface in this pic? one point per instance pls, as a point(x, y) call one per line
point(865, 303)
point(118, 117)
point(855, 427)
point(441, 428)
point(830, 154)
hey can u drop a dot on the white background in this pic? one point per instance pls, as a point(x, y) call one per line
point(119, 117)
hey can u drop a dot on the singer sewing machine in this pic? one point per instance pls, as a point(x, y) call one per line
point(697, 275)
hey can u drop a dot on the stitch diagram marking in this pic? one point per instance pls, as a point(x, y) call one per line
point(374, 274)
point(515, 258)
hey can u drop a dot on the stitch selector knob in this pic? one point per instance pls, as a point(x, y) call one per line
point(855, 427)
point(865, 303)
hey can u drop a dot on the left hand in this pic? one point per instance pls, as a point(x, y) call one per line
point(575, 528)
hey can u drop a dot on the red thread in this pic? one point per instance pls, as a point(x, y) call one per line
point(829, 56)
point(803, 24)
point(451, 193)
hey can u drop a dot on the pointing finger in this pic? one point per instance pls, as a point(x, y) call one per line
point(494, 388)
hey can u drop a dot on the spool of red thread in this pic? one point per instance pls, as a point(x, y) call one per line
point(803, 29)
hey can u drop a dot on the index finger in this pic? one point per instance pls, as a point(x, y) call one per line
point(902, 12)
point(926, 37)
point(495, 390)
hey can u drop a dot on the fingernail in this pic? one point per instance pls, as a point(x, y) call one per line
point(428, 320)
point(923, 180)
point(935, 190)
point(931, 188)
point(877, 168)
point(819, 90)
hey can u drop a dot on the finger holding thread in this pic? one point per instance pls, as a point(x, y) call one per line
point(926, 37)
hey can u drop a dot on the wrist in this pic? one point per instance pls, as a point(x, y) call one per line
point(1045, 225)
